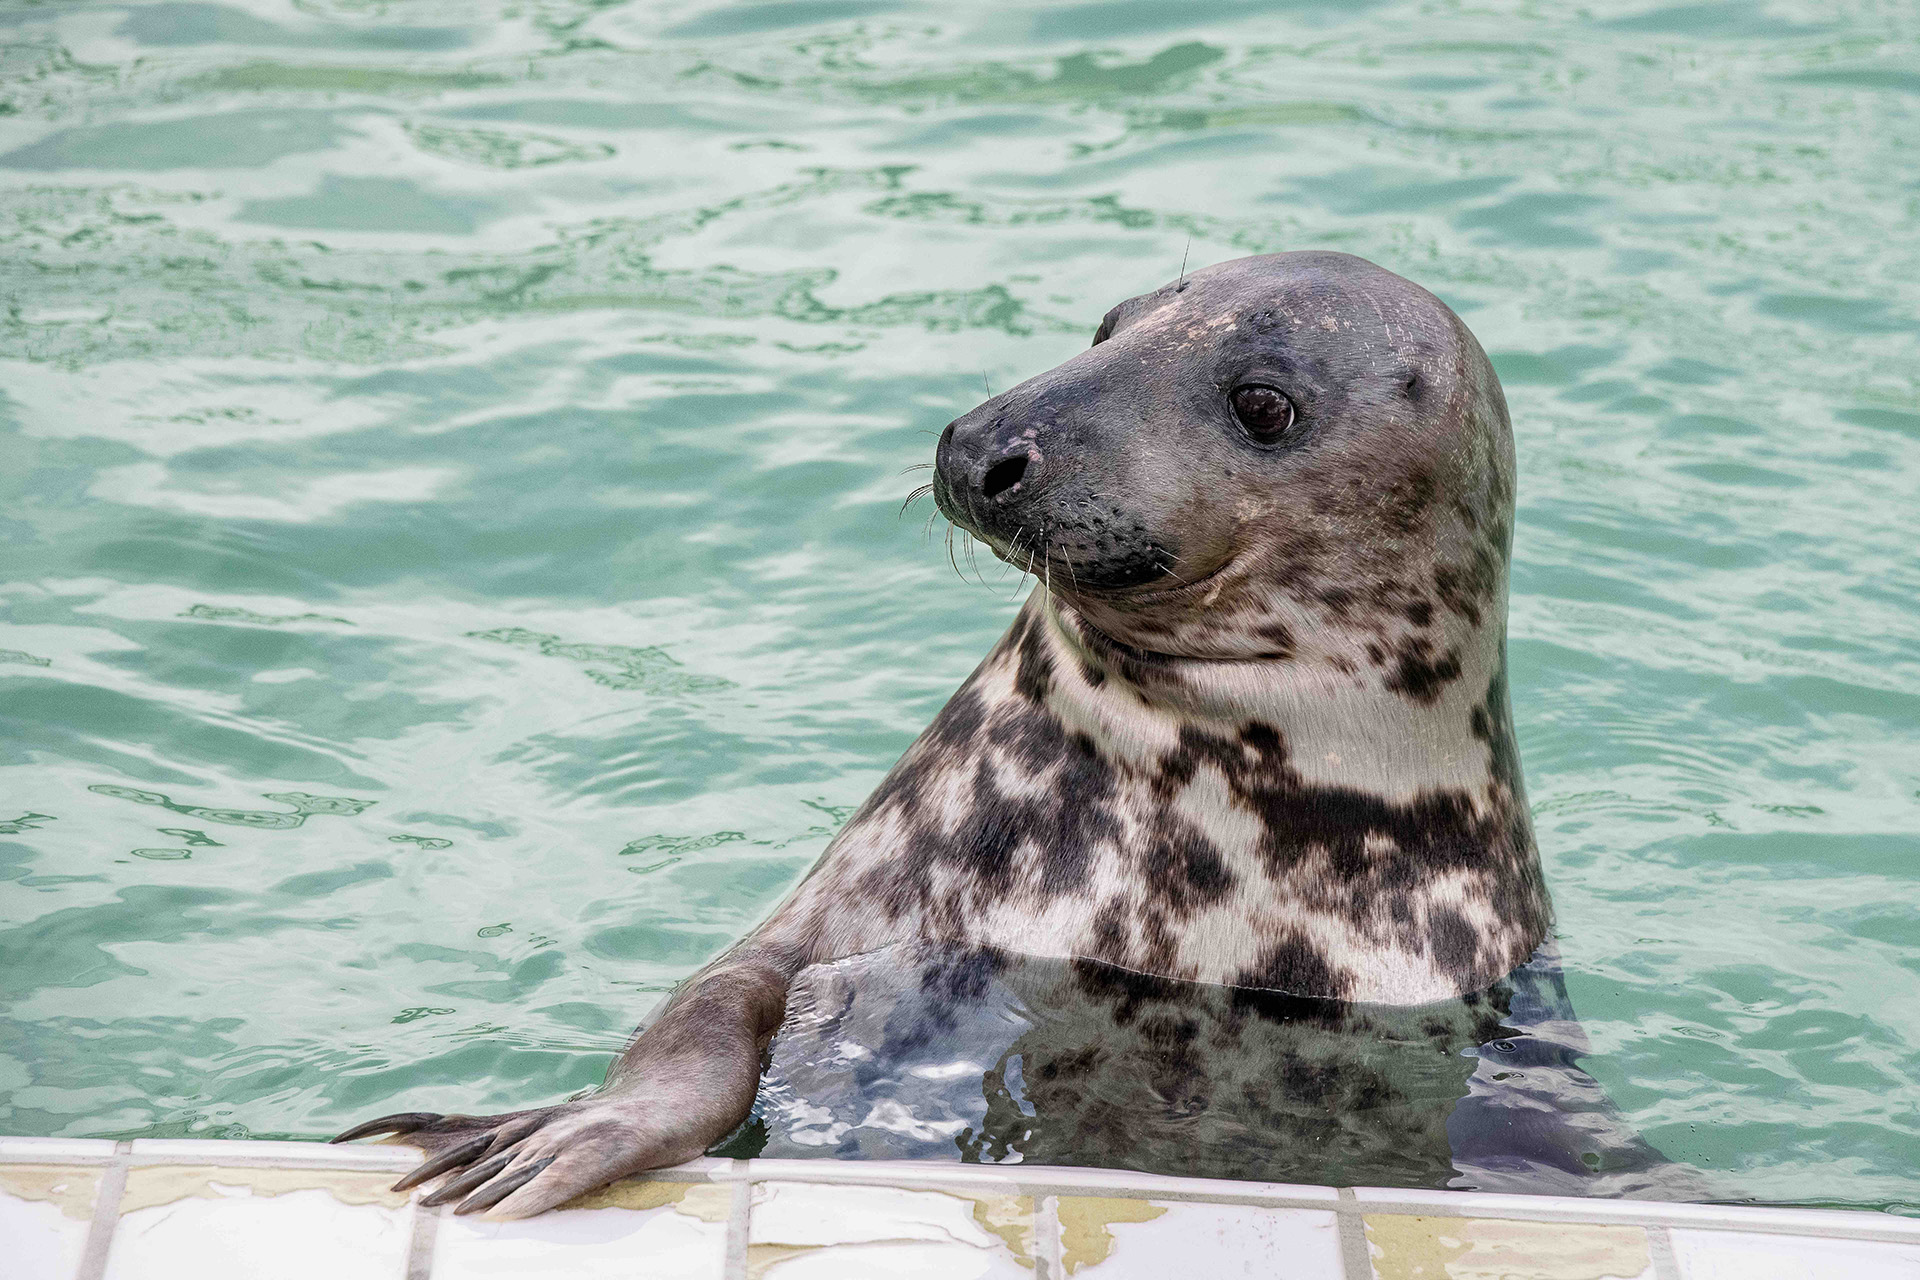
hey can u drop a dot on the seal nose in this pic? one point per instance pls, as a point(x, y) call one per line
point(987, 459)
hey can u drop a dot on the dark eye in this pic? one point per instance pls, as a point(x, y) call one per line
point(1264, 411)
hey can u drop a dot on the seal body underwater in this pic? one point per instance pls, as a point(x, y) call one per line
point(1251, 727)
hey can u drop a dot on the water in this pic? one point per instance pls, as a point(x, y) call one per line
point(453, 579)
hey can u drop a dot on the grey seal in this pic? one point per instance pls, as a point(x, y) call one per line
point(1251, 727)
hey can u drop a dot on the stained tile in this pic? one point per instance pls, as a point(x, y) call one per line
point(804, 1231)
point(44, 1212)
point(1406, 1247)
point(1103, 1236)
point(1734, 1255)
point(655, 1230)
point(226, 1223)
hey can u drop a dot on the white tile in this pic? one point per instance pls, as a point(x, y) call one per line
point(654, 1230)
point(1122, 1182)
point(1811, 1222)
point(234, 1223)
point(1115, 1237)
point(44, 1212)
point(816, 1231)
point(278, 1155)
point(918, 1174)
point(1733, 1255)
point(696, 1169)
point(55, 1150)
point(1066, 1180)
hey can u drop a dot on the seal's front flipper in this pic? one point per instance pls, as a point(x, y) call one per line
point(530, 1161)
point(683, 1084)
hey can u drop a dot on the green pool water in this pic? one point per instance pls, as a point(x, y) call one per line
point(451, 458)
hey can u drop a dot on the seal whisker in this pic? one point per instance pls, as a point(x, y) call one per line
point(1016, 549)
point(914, 497)
point(1169, 570)
point(1072, 577)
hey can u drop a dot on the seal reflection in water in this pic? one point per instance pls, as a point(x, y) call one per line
point(930, 1051)
point(1250, 731)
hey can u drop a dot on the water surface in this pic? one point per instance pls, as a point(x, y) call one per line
point(451, 460)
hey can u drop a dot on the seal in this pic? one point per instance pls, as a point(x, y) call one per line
point(1251, 727)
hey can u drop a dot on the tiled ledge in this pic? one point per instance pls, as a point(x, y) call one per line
point(157, 1210)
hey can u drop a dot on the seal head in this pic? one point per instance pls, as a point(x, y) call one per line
point(1300, 456)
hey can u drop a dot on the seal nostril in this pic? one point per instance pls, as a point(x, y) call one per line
point(1003, 475)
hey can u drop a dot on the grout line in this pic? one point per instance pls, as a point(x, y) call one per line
point(1047, 1261)
point(739, 1221)
point(1356, 1259)
point(424, 1236)
point(106, 1216)
point(1660, 1249)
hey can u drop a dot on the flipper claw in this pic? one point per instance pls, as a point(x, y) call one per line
point(402, 1122)
point(453, 1158)
point(502, 1187)
point(468, 1181)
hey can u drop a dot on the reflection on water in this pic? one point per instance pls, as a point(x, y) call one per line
point(492, 415)
point(941, 1052)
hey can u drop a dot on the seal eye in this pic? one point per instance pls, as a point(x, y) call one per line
point(1264, 411)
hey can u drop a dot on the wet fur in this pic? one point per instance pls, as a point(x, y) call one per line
point(1250, 729)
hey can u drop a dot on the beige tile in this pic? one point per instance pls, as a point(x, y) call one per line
point(1734, 1255)
point(629, 1231)
point(813, 1231)
point(208, 1222)
point(1104, 1236)
point(44, 1212)
point(1406, 1247)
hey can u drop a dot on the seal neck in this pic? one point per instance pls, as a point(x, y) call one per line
point(1343, 721)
